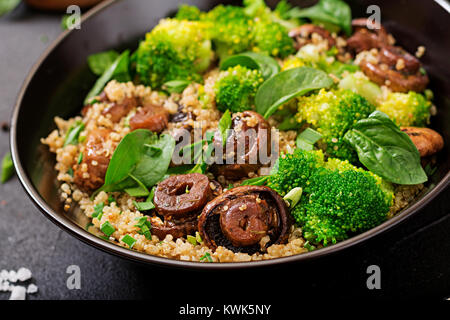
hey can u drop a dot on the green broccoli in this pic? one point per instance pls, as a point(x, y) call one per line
point(231, 30)
point(236, 88)
point(338, 198)
point(187, 12)
point(174, 50)
point(332, 113)
point(407, 109)
point(272, 38)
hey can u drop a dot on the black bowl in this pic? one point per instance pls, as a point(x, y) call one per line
point(60, 79)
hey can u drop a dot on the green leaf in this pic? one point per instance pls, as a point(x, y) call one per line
point(118, 70)
point(224, 125)
point(7, 167)
point(175, 86)
point(287, 85)
point(385, 150)
point(252, 60)
point(133, 166)
point(73, 133)
point(335, 12)
point(8, 6)
point(99, 62)
point(257, 181)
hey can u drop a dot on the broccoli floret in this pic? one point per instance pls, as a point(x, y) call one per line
point(407, 109)
point(272, 38)
point(187, 12)
point(292, 62)
point(231, 30)
point(174, 50)
point(333, 113)
point(236, 88)
point(338, 198)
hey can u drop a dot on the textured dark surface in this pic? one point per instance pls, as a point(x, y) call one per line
point(414, 257)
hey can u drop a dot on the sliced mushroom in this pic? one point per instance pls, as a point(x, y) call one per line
point(95, 159)
point(303, 35)
point(426, 140)
point(397, 69)
point(241, 217)
point(152, 117)
point(364, 38)
point(249, 133)
point(176, 228)
point(182, 195)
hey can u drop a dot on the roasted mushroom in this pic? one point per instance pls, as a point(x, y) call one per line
point(364, 38)
point(152, 117)
point(426, 140)
point(179, 200)
point(397, 69)
point(304, 33)
point(90, 173)
point(245, 219)
point(249, 138)
point(117, 110)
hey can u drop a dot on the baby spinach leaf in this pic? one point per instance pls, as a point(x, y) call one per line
point(118, 70)
point(252, 60)
point(8, 6)
point(224, 125)
point(73, 133)
point(385, 150)
point(99, 62)
point(7, 168)
point(133, 166)
point(175, 86)
point(287, 85)
point(335, 12)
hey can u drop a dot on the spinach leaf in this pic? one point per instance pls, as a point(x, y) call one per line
point(176, 86)
point(118, 70)
point(7, 168)
point(252, 60)
point(8, 6)
point(385, 150)
point(99, 62)
point(334, 12)
point(286, 85)
point(73, 133)
point(135, 164)
point(224, 125)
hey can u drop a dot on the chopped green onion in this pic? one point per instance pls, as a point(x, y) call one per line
point(224, 125)
point(192, 240)
point(293, 196)
point(98, 210)
point(144, 206)
point(206, 256)
point(175, 86)
point(144, 225)
point(81, 139)
point(7, 167)
point(80, 158)
point(88, 225)
point(107, 228)
point(73, 133)
point(257, 181)
point(111, 199)
point(129, 240)
point(70, 172)
point(307, 139)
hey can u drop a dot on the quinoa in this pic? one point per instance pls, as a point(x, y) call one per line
point(122, 214)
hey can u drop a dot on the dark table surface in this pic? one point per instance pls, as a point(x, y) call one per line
point(414, 257)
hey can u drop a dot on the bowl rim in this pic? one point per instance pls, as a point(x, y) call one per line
point(83, 235)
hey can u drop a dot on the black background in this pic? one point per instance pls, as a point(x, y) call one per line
point(414, 257)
